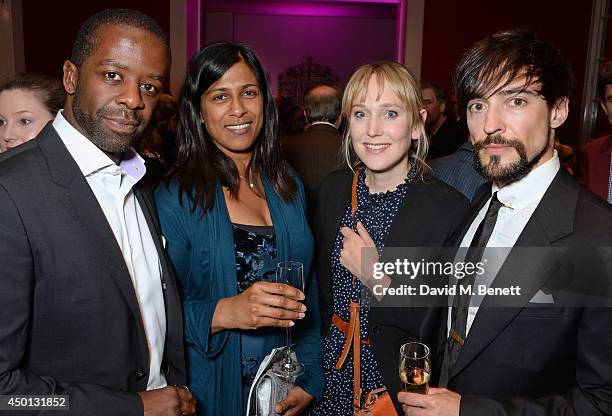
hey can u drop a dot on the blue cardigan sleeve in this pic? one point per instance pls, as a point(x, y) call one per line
point(178, 227)
point(307, 338)
point(308, 344)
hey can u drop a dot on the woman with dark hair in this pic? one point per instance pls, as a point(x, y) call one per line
point(28, 101)
point(231, 211)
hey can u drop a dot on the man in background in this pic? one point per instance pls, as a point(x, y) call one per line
point(445, 134)
point(316, 152)
point(459, 170)
point(594, 168)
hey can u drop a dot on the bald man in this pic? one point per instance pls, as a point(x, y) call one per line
point(315, 153)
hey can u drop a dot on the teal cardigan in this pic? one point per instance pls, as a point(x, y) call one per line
point(201, 249)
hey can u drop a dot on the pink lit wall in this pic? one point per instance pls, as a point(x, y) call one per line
point(341, 42)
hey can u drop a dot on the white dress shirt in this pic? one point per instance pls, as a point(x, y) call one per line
point(519, 199)
point(112, 185)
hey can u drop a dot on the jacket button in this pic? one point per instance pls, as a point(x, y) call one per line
point(140, 374)
point(375, 329)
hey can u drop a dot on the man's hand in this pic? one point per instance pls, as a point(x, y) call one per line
point(437, 402)
point(296, 401)
point(263, 304)
point(168, 401)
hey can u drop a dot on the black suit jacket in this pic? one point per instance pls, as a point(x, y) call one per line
point(429, 213)
point(449, 137)
point(314, 154)
point(70, 322)
point(552, 359)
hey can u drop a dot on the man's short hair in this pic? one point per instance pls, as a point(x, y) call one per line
point(323, 106)
point(85, 41)
point(605, 78)
point(506, 56)
point(437, 89)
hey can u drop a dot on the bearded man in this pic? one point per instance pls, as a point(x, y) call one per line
point(90, 308)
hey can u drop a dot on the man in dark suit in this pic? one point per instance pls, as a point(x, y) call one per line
point(316, 152)
point(594, 156)
point(445, 134)
point(90, 308)
point(458, 170)
point(545, 351)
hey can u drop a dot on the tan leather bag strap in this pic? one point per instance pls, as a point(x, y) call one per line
point(357, 358)
point(354, 193)
point(349, 334)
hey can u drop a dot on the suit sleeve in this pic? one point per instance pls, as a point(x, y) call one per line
point(17, 291)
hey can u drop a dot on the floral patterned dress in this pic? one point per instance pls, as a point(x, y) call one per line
point(256, 255)
point(376, 212)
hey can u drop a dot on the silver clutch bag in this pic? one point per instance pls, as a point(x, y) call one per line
point(269, 389)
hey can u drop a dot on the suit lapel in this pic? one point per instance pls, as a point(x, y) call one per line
point(480, 198)
point(81, 201)
point(529, 268)
point(172, 303)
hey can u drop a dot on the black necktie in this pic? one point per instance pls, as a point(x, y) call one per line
point(461, 301)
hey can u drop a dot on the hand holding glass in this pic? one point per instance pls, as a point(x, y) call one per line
point(290, 273)
point(415, 367)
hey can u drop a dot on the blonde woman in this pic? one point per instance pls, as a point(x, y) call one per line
point(385, 197)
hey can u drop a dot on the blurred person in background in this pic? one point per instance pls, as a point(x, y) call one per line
point(158, 143)
point(28, 101)
point(594, 157)
point(315, 153)
point(445, 134)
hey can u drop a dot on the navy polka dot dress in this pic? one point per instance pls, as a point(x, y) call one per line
point(376, 212)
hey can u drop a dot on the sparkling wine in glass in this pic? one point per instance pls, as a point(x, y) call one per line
point(290, 273)
point(415, 367)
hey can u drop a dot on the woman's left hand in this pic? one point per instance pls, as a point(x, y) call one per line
point(296, 401)
point(355, 245)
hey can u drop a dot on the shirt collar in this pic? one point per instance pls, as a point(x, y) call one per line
point(89, 157)
point(529, 190)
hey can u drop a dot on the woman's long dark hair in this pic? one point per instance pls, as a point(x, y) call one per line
point(199, 163)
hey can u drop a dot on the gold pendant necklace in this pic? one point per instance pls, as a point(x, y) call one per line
point(251, 184)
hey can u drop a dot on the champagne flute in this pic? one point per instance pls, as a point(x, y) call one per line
point(415, 367)
point(290, 273)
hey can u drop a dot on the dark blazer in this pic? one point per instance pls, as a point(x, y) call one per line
point(314, 154)
point(449, 137)
point(594, 165)
point(429, 213)
point(546, 360)
point(70, 322)
point(458, 170)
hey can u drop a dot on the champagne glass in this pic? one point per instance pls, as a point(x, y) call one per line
point(290, 273)
point(415, 367)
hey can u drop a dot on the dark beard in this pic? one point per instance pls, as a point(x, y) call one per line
point(493, 172)
point(106, 140)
